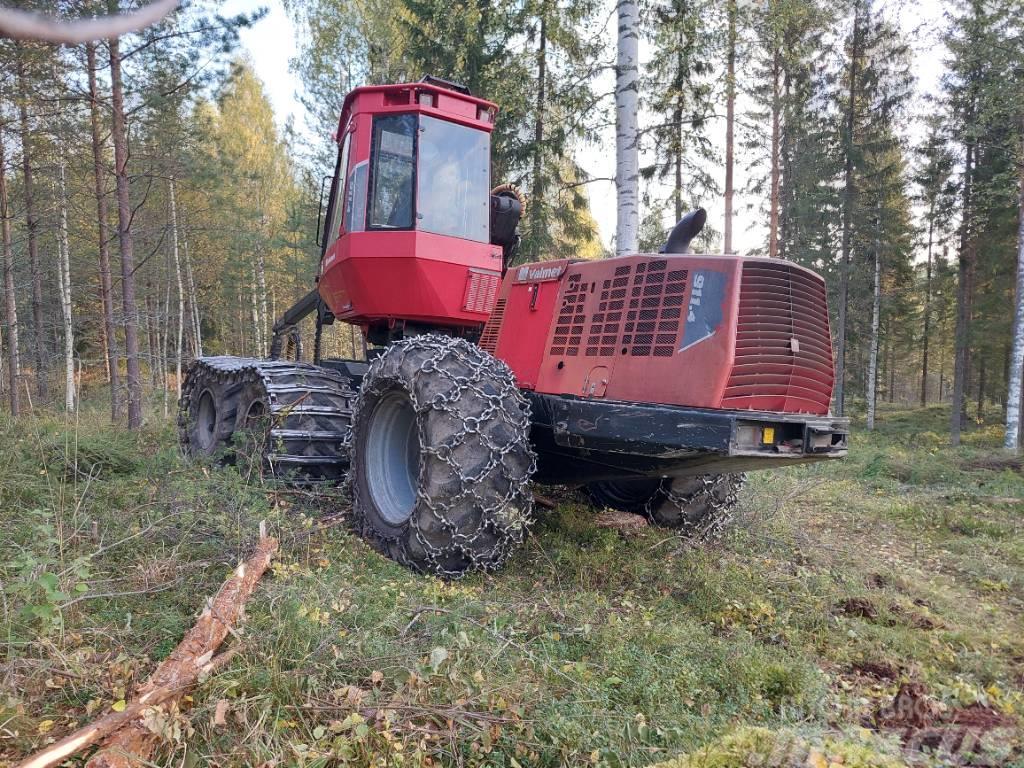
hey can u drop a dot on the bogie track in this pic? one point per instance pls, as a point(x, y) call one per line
point(297, 415)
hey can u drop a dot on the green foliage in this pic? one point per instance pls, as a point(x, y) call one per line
point(759, 746)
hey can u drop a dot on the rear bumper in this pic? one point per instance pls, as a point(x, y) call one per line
point(585, 439)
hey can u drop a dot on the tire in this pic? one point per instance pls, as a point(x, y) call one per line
point(698, 506)
point(287, 420)
point(440, 457)
point(624, 495)
point(209, 416)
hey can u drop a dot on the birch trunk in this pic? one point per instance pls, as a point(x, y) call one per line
point(64, 273)
point(537, 188)
point(181, 290)
point(10, 297)
point(849, 191)
point(627, 135)
point(193, 300)
point(32, 223)
point(876, 305)
point(106, 288)
point(927, 309)
point(261, 283)
point(730, 121)
point(1014, 392)
point(149, 325)
point(127, 245)
point(258, 342)
point(165, 331)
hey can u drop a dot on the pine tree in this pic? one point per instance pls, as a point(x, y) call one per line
point(975, 93)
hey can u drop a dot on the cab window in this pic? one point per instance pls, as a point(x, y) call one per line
point(339, 184)
point(355, 199)
point(454, 180)
point(392, 156)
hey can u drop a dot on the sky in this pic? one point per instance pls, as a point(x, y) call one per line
point(273, 41)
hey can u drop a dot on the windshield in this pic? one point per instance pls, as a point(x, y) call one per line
point(392, 179)
point(454, 180)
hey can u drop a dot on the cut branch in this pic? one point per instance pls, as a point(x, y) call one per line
point(126, 740)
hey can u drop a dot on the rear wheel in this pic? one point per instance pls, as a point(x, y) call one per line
point(624, 495)
point(440, 457)
point(209, 417)
point(698, 506)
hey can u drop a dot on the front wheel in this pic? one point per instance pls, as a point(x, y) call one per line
point(440, 456)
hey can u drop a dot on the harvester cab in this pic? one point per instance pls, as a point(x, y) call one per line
point(415, 239)
point(653, 381)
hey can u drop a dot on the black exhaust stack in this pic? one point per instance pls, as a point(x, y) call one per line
point(682, 233)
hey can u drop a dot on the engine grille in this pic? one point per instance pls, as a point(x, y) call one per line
point(638, 311)
point(783, 347)
point(489, 337)
point(655, 310)
point(569, 326)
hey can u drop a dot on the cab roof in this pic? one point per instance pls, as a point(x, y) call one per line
point(429, 97)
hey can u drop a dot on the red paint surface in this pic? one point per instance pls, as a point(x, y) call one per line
point(750, 361)
point(369, 276)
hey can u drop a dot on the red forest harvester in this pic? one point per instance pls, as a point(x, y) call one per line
point(653, 379)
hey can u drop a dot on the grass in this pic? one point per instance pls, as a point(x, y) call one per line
point(837, 583)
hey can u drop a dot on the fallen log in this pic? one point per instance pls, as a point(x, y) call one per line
point(126, 740)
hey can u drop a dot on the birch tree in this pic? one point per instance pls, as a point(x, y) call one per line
point(730, 119)
point(1014, 389)
point(849, 191)
point(64, 277)
point(10, 297)
point(627, 154)
point(876, 305)
point(180, 283)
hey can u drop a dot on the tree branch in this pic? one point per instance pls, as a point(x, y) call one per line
point(24, 25)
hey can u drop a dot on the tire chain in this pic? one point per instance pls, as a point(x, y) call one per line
point(289, 415)
point(509, 531)
point(721, 512)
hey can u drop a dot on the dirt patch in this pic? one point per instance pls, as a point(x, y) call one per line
point(856, 606)
point(912, 708)
point(877, 581)
point(880, 670)
point(975, 735)
point(995, 463)
point(913, 618)
point(980, 716)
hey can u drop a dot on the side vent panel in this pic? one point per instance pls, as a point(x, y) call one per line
point(489, 337)
point(481, 290)
point(635, 313)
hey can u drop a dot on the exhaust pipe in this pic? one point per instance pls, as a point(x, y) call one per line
point(682, 233)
